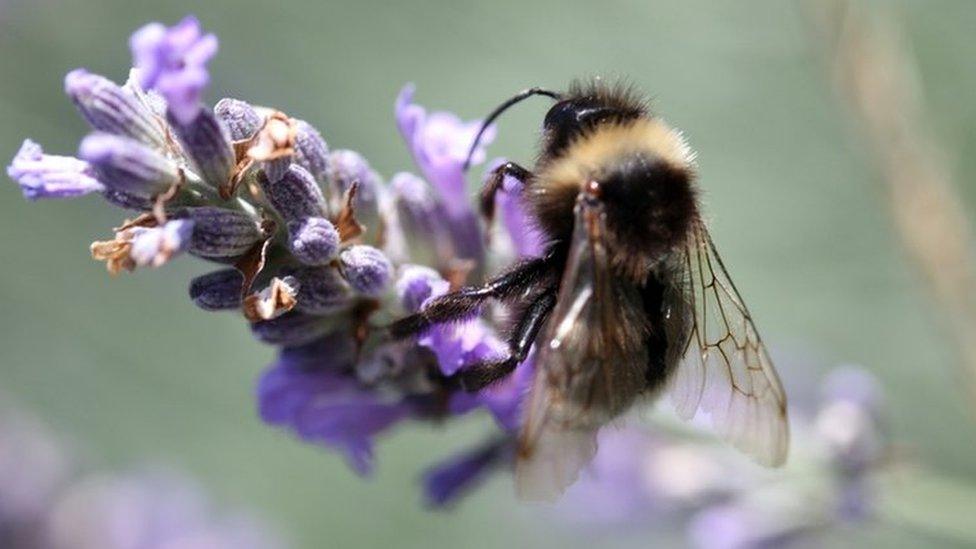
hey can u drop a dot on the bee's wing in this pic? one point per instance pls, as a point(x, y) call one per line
point(558, 436)
point(726, 371)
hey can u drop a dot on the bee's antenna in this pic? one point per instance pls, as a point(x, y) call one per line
point(524, 94)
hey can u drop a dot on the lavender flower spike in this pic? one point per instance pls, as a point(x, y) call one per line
point(48, 176)
point(367, 269)
point(313, 240)
point(112, 109)
point(207, 142)
point(173, 61)
point(126, 165)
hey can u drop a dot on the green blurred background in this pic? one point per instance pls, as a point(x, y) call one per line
point(130, 369)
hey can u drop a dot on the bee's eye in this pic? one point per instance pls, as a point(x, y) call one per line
point(569, 115)
point(561, 115)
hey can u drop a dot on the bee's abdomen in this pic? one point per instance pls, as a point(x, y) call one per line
point(656, 341)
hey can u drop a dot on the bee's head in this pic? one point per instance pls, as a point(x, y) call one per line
point(585, 106)
point(571, 117)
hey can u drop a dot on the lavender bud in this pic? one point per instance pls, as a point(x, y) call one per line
point(217, 291)
point(49, 176)
point(295, 195)
point(321, 290)
point(366, 269)
point(127, 165)
point(290, 329)
point(277, 169)
point(348, 167)
point(422, 219)
point(207, 142)
point(417, 284)
point(311, 151)
point(220, 233)
point(313, 240)
point(109, 108)
point(239, 117)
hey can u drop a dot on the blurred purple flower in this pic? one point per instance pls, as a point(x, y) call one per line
point(48, 176)
point(447, 481)
point(173, 61)
point(148, 510)
point(325, 405)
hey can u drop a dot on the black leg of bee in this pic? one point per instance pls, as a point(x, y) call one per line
point(478, 376)
point(465, 302)
point(494, 183)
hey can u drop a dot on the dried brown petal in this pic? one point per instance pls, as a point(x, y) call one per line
point(275, 300)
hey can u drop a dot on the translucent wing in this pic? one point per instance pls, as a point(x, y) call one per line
point(589, 365)
point(726, 371)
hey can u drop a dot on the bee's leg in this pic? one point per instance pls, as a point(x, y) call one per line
point(494, 184)
point(478, 376)
point(465, 302)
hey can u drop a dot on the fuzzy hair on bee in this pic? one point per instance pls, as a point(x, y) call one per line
point(629, 299)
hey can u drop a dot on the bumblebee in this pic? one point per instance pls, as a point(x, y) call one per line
point(630, 295)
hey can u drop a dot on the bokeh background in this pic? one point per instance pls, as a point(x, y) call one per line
point(133, 372)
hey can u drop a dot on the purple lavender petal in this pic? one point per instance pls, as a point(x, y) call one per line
point(321, 290)
point(112, 109)
point(367, 269)
point(460, 344)
point(295, 195)
point(207, 142)
point(313, 240)
point(328, 407)
point(219, 233)
point(48, 176)
point(127, 165)
point(173, 61)
point(505, 399)
point(526, 238)
point(417, 284)
point(240, 118)
point(447, 481)
point(217, 291)
point(439, 144)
